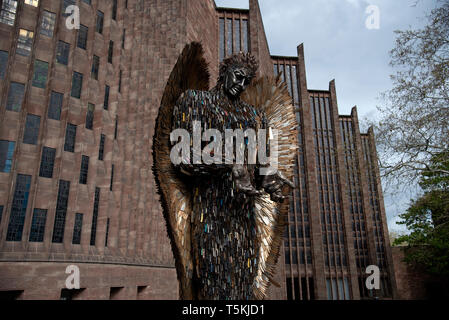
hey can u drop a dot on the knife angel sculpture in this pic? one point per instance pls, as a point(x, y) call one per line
point(225, 219)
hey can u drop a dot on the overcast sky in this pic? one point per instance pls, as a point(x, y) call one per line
point(339, 46)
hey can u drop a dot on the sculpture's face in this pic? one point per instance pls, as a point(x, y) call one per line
point(236, 80)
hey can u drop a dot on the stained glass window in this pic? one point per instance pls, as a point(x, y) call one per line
point(90, 116)
point(61, 211)
point(8, 12)
point(40, 74)
point(31, 129)
point(18, 208)
point(48, 23)
point(6, 155)
point(93, 233)
point(82, 37)
point(3, 63)
point(84, 169)
point(77, 84)
point(62, 52)
point(70, 137)
point(15, 96)
point(38, 225)
point(54, 110)
point(77, 228)
point(47, 162)
point(24, 42)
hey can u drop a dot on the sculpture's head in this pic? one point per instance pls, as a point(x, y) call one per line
point(236, 73)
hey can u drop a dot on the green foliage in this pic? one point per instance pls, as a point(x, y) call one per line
point(428, 220)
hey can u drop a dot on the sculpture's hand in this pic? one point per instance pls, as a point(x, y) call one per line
point(273, 184)
point(242, 180)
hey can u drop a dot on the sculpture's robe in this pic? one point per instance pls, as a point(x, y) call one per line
point(223, 221)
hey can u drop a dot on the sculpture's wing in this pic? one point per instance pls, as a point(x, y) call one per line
point(270, 95)
point(190, 72)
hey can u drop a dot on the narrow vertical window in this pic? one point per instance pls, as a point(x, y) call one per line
point(123, 38)
point(6, 155)
point(8, 12)
point(101, 150)
point(110, 51)
point(24, 42)
point(107, 233)
point(114, 9)
point(70, 138)
point(15, 96)
point(112, 178)
point(93, 232)
point(222, 39)
point(54, 110)
point(48, 23)
point(3, 63)
point(1, 213)
point(229, 46)
point(47, 162)
point(61, 211)
point(288, 79)
point(237, 35)
point(245, 35)
point(95, 67)
point(77, 228)
point(115, 129)
point(32, 125)
point(90, 116)
point(120, 81)
point(99, 24)
point(81, 41)
point(295, 85)
point(106, 97)
point(275, 69)
point(40, 74)
point(38, 225)
point(84, 169)
point(62, 52)
point(77, 84)
point(18, 208)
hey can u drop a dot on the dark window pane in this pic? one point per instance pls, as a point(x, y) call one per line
point(115, 130)
point(31, 129)
point(106, 98)
point(101, 150)
point(107, 233)
point(15, 96)
point(95, 67)
point(24, 42)
point(65, 4)
point(8, 12)
point(47, 162)
point(77, 84)
point(100, 19)
point(40, 74)
point(110, 51)
point(84, 169)
point(120, 81)
point(77, 228)
point(48, 23)
point(88, 2)
point(93, 233)
point(112, 177)
point(62, 53)
point(6, 154)
point(18, 208)
point(3, 63)
point(54, 110)
point(82, 37)
point(114, 9)
point(38, 225)
point(123, 39)
point(1, 213)
point(90, 116)
point(61, 211)
point(70, 138)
